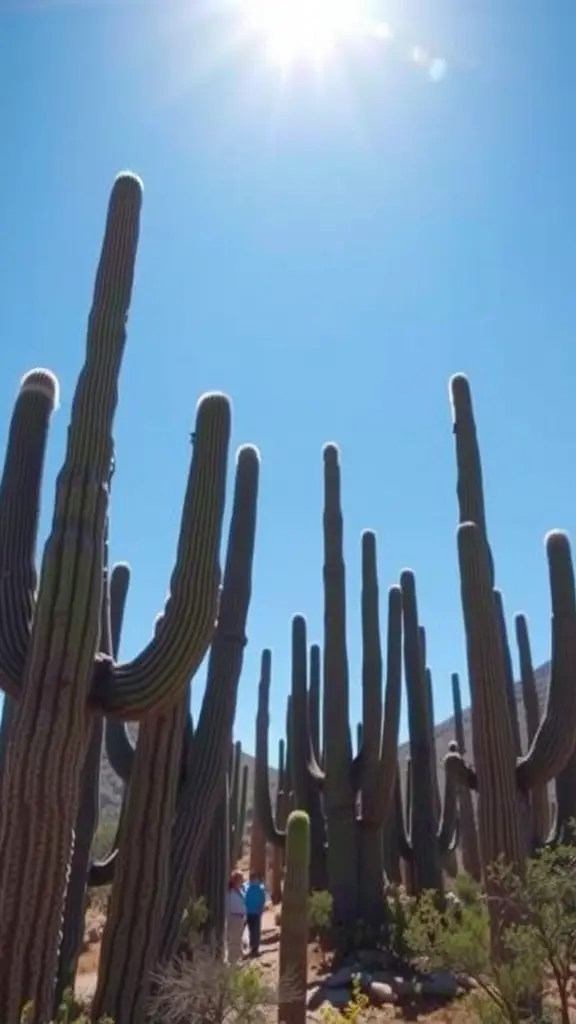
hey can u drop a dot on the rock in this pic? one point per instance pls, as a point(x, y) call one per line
point(94, 933)
point(340, 978)
point(439, 983)
point(374, 959)
point(380, 993)
point(338, 997)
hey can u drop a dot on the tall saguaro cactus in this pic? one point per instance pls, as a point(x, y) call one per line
point(339, 784)
point(61, 678)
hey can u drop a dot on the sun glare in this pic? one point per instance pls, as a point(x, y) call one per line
point(307, 30)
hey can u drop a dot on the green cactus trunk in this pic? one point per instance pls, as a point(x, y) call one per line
point(212, 876)
point(112, 614)
point(50, 732)
point(293, 955)
point(306, 786)
point(339, 788)
point(424, 850)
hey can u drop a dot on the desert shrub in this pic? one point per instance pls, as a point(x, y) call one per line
point(399, 912)
point(320, 909)
point(540, 945)
point(204, 990)
point(466, 888)
point(355, 1010)
point(69, 1012)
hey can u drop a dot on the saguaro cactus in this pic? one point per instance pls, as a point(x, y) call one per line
point(293, 956)
point(50, 732)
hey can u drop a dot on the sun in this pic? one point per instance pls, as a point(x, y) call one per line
point(304, 30)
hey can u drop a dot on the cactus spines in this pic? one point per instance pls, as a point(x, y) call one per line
point(19, 513)
point(293, 954)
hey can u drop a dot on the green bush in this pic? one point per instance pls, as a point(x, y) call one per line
point(320, 910)
point(538, 943)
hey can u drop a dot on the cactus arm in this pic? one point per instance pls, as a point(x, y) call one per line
point(20, 491)
point(527, 678)
point(425, 852)
point(184, 631)
point(51, 732)
point(198, 801)
point(393, 699)
point(470, 484)
point(262, 801)
point(293, 952)
point(509, 672)
point(314, 702)
point(120, 750)
point(539, 795)
point(554, 741)
point(448, 829)
point(462, 772)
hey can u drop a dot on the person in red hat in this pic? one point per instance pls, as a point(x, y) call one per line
point(236, 916)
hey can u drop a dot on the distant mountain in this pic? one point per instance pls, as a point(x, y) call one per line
point(111, 787)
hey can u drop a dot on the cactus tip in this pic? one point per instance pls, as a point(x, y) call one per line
point(368, 540)
point(248, 453)
point(42, 382)
point(266, 661)
point(556, 540)
point(331, 453)
point(127, 180)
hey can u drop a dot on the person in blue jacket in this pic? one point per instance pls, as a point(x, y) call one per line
point(255, 899)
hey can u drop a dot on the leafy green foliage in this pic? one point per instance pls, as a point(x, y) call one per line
point(538, 940)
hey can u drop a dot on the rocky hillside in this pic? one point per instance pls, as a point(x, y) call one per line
point(111, 787)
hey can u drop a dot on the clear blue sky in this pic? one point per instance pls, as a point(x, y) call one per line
point(328, 253)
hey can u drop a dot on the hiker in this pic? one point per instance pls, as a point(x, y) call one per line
point(236, 916)
point(255, 899)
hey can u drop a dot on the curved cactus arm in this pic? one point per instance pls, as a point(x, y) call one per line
point(183, 633)
point(449, 827)
point(119, 748)
point(262, 800)
point(508, 672)
point(527, 677)
point(199, 798)
point(402, 823)
point(20, 491)
point(554, 741)
point(462, 772)
point(539, 795)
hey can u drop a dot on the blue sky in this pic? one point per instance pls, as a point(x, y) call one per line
point(327, 251)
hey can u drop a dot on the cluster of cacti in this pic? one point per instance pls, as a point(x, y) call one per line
point(340, 820)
